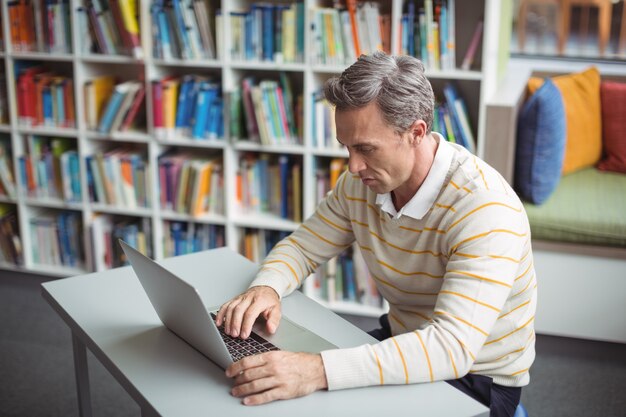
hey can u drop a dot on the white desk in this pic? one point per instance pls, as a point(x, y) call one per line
point(110, 314)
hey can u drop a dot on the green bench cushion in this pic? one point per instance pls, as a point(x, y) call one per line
point(588, 206)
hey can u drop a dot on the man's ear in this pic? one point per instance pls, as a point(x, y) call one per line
point(418, 131)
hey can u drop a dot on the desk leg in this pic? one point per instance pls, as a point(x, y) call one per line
point(82, 377)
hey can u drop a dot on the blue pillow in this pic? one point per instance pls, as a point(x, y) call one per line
point(541, 134)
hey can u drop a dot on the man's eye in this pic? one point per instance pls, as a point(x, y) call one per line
point(366, 150)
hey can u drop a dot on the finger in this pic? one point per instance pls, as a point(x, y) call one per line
point(244, 364)
point(250, 317)
point(273, 319)
point(229, 314)
point(236, 317)
point(265, 397)
point(254, 387)
point(251, 374)
point(219, 319)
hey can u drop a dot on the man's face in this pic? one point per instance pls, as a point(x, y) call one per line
point(379, 155)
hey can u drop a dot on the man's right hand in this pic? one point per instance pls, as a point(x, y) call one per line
point(239, 314)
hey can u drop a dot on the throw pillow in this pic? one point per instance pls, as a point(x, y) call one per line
point(581, 98)
point(613, 97)
point(541, 131)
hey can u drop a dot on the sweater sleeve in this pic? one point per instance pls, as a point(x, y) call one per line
point(325, 234)
point(485, 241)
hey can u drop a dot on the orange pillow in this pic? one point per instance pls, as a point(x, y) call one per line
point(581, 99)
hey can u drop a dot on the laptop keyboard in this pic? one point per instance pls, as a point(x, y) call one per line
point(239, 348)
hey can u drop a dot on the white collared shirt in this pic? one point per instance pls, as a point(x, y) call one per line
point(426, 195)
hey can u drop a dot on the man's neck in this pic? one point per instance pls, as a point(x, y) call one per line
point(424, 158)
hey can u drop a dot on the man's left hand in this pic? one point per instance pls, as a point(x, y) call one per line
point(277, 375)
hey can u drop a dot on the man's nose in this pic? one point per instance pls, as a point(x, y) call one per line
point(355, 164)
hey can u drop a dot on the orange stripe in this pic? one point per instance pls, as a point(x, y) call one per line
point(292, 240)
point(380, 368)
point(471, 299)
point(510, 333)
point(423, 316)
point(481, 173)
point(520, 372)
point(517, 350)
point(445, 207)
point(274, 269)
point(519, 306)
point(456, 373)
point(415, 252)
point(524, 273)
point(333, 224)
point(406, 372)
point(495, 203)
point(480, 277)
point(400, 322)
point(526, 287)
point(506, 258)
point(454, 247)
point(458, 188)
point(410, 273)
point(462, 321)
point(467, 349)
point(323, 239)
point(426, 229)
point(289, 256)
point(430, 368)
point(293, 271)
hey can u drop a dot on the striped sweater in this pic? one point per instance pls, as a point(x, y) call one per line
point(460, 281)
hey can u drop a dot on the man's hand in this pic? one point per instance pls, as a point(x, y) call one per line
point(239, 314)
point(277, 375)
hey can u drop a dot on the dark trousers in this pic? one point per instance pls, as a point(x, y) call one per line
point(502, 401)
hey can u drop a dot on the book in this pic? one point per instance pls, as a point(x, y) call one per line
point(468, 60)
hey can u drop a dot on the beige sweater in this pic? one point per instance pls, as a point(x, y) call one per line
point(460, 282)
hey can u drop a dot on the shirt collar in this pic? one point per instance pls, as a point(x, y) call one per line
point(425, 197)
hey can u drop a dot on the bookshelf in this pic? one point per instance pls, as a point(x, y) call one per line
point(82, 63)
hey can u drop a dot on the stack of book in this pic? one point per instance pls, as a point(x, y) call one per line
point(56, 239)
point(4, 104)
point(110, 27)
point(184, 29)
point(7, 179)
point(40, 26)
point(107, 230)
point(452, 120)
point(43, 98)
point(182, 238)
point(257, 243)
point(324, 129)
point(10, 242)
point(341, 35)
point(112, 106)
point(189, 107)
point(270, 184)
point(326, 176)
point(50, 169)
point(119, 177)
point(346, 278)
point(268, 32)
point(267, 111)
point(190, 184)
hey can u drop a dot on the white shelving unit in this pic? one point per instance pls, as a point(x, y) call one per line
point(473, 85)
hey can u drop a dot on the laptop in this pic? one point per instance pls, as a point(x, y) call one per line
point(181, 309)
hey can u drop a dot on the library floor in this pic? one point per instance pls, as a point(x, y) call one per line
point(570, 377)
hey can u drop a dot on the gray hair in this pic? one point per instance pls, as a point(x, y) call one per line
point(396, 83)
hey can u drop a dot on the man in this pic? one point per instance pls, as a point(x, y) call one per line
point(443, 235)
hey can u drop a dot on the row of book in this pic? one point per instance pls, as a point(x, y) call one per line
point(4, 103)
point(184, 29)
point(7, 181)
point(257, 243)
point(107, 230)
point(270, 184)
point(110, 27)
point(190, 106)
point(191, 184)
point(43, 98)
point(119, 177)
point(266, 112)
point(57, 239)
point(452, 120)
point(326, 176)
point(112, 106)
point(40, 26)
point(181, 238)
point(11, 249)
point(50, 169)
point(346, 278)
point(268, 32)
point(324, 131)
point(341, 35)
